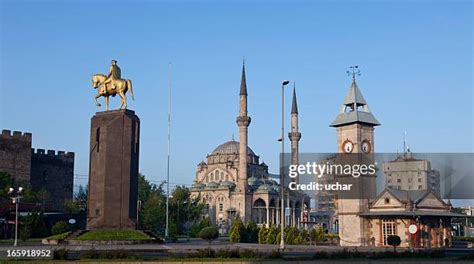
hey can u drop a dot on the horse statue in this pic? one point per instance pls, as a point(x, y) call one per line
point(114, 87)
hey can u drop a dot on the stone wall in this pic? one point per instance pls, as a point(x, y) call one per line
point(15, 155)
point(54, 173)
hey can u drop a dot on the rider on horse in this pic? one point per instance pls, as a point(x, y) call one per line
point(114, 74)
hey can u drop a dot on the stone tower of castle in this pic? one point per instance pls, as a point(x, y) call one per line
point(294, 135)
point(355, 135)
point(243, 121)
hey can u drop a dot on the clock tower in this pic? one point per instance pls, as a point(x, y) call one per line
point(355, 135)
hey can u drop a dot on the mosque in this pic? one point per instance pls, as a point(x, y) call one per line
point(235, 183)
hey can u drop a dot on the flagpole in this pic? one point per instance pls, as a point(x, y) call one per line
point(167, 231)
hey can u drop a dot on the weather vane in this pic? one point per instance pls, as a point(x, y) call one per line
point(354, 70)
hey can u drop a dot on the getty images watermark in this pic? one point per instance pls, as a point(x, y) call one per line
point(319, 170)
point(449, 175)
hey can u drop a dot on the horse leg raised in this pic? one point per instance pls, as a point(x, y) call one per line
point(95, 99)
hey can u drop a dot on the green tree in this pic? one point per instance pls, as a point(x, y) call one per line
point(152, 216)
point(235, 230)
point(262, 234)
point(79, 203)
point(59, 228)
point(271, 236)
point(198, 225)
point(24, 232)
point(291, 233)
point(210, 234)
point(394, 241)
point(278, 235)
point(5, 183)
point(251, 230)
point(316, 235)
point(36, 224)
point(180, 207)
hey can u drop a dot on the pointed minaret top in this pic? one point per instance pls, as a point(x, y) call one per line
point(243, 81)
point(294, 105)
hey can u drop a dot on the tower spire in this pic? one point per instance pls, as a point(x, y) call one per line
point(354, 108)
point(294, 105)
point(243, 81)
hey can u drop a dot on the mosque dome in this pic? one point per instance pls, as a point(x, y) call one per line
point(230, 147)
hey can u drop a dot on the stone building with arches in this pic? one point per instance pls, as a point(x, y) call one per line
point(235, 183)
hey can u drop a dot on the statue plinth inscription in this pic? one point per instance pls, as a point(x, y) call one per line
point(113, 170)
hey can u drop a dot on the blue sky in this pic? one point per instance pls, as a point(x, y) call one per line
point(415, 57)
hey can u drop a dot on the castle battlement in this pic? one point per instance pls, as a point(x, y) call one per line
point(38, 153)
point(7, 134)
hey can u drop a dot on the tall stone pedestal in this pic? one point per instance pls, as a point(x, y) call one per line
point(113, 170)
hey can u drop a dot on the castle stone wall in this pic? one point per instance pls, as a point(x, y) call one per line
point(15, 155)
point(54, 173)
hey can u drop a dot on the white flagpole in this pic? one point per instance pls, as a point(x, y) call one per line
point(169, 152)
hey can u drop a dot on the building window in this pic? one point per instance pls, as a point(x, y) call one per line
point(399, 180)
point(387, 200)
point(221, 207)
point(419, 187)
point(389, 180)
point(388, 229)
point(419, 179)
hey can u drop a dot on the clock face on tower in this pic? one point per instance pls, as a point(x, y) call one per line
point(347, 146)
point(365, 146)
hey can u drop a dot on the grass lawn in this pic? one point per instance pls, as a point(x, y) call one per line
point(11, 240)
point(58, 236)
point(114, 235)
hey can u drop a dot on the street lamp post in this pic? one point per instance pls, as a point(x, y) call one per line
point(282, 161)
point(16, 196)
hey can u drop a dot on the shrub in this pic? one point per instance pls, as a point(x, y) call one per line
point(59, 228)
point(235, 230)
point(271, 236)
point(227, 253)
point(316, 235)
point(274, 254)
point(198, 226)
point(262, 235)
point(394, 241)
point(209, 233)
point(60, 253)
point(278, 236)
point(320, 255)
point(248, 253)
point(251, 233)
point(25, 232)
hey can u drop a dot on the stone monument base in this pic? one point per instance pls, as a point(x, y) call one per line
point(113, 170)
